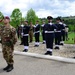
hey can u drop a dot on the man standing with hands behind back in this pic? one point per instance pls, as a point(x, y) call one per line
point(49, 35)
point(9, 38)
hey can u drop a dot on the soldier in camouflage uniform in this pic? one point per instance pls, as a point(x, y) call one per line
point(31, 32)
point(8, 37)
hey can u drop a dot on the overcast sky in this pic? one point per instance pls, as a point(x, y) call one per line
point(42, 8)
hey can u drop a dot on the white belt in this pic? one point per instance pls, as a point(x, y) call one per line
point(57, 31)
point(25, 34)
point(37, 32)
point(49, 31)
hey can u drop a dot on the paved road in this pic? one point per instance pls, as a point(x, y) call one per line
point(33, 66)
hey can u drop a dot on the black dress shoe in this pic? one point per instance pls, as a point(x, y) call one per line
point(36, 45)
point(25, 50)
point(56, 48)
point(10, 68)
point(43, 43)
point(48, 53)
point(61, 44)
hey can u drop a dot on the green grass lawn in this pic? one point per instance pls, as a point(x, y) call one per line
point(71, 36)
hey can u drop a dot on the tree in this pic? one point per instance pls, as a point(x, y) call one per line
point(31, 16)
point(1, 16)
point(16, 17)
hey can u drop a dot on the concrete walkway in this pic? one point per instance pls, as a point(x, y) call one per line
point(25, 65)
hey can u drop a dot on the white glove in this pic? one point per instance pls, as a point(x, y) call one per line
point(22, 34)
point(46, 31)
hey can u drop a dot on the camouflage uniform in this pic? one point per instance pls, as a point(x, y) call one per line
point(31, 33)
point(8, 37)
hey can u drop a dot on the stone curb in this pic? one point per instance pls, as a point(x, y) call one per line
point(56, 58)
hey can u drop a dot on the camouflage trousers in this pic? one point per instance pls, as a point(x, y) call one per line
point(31, 36)
point(8, 54)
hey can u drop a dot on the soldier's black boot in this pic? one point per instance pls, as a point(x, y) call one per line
point(10, 68)
point(0, 41)
point(6, 67)
point(74, 57)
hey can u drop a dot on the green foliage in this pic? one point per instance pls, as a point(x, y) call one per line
point(71, 36)
point(71, 24)
point(16, 17)
point(31, 16)
point(71, 27)
point(1, 15)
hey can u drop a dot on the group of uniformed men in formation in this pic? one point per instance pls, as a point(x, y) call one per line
point(50, 32)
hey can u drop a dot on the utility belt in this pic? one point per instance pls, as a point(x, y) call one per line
point(57, 31)
point(36, 31)
point(63, 30)
point(25, 34)
point(49, 31)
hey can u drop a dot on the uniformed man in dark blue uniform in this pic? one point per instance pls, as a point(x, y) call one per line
point(58, 32)
point(37, 33)
point(43, 32)
point(49, 35)
point(20, 32)
point(62, 33)
point(25, 35)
